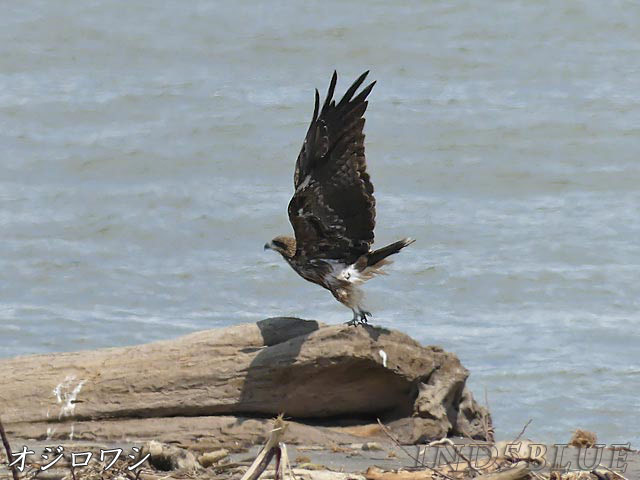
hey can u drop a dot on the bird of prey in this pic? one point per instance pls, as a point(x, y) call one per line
point(333, 209)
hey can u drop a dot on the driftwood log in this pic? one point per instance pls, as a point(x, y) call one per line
point(225, 383)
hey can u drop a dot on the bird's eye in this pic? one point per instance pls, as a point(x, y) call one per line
point(278, 243)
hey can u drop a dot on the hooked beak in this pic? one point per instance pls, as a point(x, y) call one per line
point(267, 246)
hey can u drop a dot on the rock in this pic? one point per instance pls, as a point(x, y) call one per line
point(583, 438)
point(211, 458)
point(167, 457)
point(212, 383)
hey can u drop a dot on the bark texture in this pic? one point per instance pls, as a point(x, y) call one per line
point(216, 380)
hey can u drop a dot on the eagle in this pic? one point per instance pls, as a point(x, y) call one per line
point(332, 210)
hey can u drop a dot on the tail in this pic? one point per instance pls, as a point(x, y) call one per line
point(378, 255)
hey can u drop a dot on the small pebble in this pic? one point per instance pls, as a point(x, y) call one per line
point(371, 446)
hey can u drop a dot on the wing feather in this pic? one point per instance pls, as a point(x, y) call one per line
point(333, 208)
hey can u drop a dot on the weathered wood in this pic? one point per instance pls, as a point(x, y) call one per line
point(283, 365)
point(265, 455)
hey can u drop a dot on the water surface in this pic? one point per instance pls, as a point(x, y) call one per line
point(148, 150)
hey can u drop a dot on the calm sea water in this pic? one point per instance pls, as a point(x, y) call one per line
point(147, 154)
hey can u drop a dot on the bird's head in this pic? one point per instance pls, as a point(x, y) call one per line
point(285, 246)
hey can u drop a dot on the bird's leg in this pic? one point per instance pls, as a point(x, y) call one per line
point(359, 318)
point(355, 320)
point(363, 314)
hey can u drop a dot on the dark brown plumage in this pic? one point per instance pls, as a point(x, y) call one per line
point(333, 208)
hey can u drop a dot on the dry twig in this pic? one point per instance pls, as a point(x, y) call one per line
point(414, 458)
point(272, 448)
point(522, 432)
point(486, 424)
point(7, 447)
point(448, 441)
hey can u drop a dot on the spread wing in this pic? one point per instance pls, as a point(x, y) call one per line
point(333, 209)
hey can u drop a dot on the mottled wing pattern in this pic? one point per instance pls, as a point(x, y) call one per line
point(333, 209)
